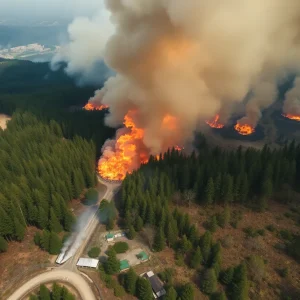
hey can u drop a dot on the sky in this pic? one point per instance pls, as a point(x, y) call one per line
point(48, 9)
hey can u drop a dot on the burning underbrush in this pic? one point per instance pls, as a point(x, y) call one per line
point(292, 117)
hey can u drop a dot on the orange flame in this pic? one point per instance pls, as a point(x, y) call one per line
point(244, 129)
point(292, 117)
point(215, 122)
point(129, 151)
point(126, 154)
point(91, 106)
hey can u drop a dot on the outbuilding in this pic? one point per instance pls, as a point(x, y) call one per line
point(156, 284)
point(87, 262)
point(109, 237)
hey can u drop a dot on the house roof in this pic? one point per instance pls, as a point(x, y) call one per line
point(124, 265)
point(87, 262)
point(143, 255)
point(155, 282)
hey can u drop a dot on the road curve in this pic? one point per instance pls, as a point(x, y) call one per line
point(74, 279)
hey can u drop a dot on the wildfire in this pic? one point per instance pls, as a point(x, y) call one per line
point(91, 106)
point(129, 151)
point(215, 122)
point(126, 154)
point(292, 117)
point(244, 129)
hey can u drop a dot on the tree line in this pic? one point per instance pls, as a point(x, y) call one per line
point(57, 292)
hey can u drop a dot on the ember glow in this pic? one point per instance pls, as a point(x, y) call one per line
point(244, 129)
point(215, 122)
point(292, 117)
point(91, 106)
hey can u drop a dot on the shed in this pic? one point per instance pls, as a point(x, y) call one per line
point(124, 265)
point(109, 237)
point(143, 256)
point(87, 262)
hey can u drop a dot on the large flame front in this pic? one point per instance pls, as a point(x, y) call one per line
point(128, 151)
point(116, 164)
point(244, 129)
point(214, 123)
point(292, 117)
point(91, 106)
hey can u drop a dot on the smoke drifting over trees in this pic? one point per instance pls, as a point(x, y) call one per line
point(187, 59)
point(292, 99)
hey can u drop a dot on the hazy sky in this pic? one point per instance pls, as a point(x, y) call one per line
point(48, 9)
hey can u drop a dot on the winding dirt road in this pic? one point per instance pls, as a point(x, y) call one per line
point(68, 272)
point(59, 275)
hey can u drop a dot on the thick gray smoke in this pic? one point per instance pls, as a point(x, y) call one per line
point(292, 99)
point(188, 60)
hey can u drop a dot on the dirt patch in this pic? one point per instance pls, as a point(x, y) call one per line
point(3, 121)
point(242, 246)
point(21, 259)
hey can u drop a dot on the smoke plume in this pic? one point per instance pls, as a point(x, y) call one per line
point(292, 99)
point(187, 60)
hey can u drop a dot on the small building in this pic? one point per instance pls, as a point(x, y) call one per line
point(87, 262)
point(120, 234)
point(143, 256)
point(124, 265)
point(156, 284)
point(109, 237)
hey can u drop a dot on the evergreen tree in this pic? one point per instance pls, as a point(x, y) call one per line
point(196, 258)
point(3, 244)
point(171, 294)
point(213, 224)
point(205, 244)
point(171, 232)
point(187, 292)
point(54, 224)
point(37, 238)
point(110, 223)
point(218, 296)
point(44, 293)
point(45, 240)
point(209, 282)
point(112, 265)
point(130, 281)
point(224, 217)
point(131, 233)
point(19, 230)
point(139, 224)
point(209, 192)
point(55, 243)
point(56, 292)
point(239, 285)
point(159, 242)
point(227, 275)
point(144, 289)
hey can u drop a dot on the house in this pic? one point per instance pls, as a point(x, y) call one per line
point(156, 284)
point(109, 237)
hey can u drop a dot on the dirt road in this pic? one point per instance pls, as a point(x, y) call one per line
point(58, 275)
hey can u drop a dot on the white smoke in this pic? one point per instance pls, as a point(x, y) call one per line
point(292, 99)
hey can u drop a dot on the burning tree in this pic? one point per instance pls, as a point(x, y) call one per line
point(215, 123)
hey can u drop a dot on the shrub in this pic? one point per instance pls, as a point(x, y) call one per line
point(261, 232)
point(120, 247)
point(256, 268)
point(250, 232)
point(270, 227)
point(209, 282)
point(91, 196)
point(94, 252)
point(286, 235)
point(3, 244)
point(283, 272)
point(119, 290)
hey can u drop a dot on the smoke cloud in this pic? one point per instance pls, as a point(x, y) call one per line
point(84, 52)
point(187, 59)
point(292, 99)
